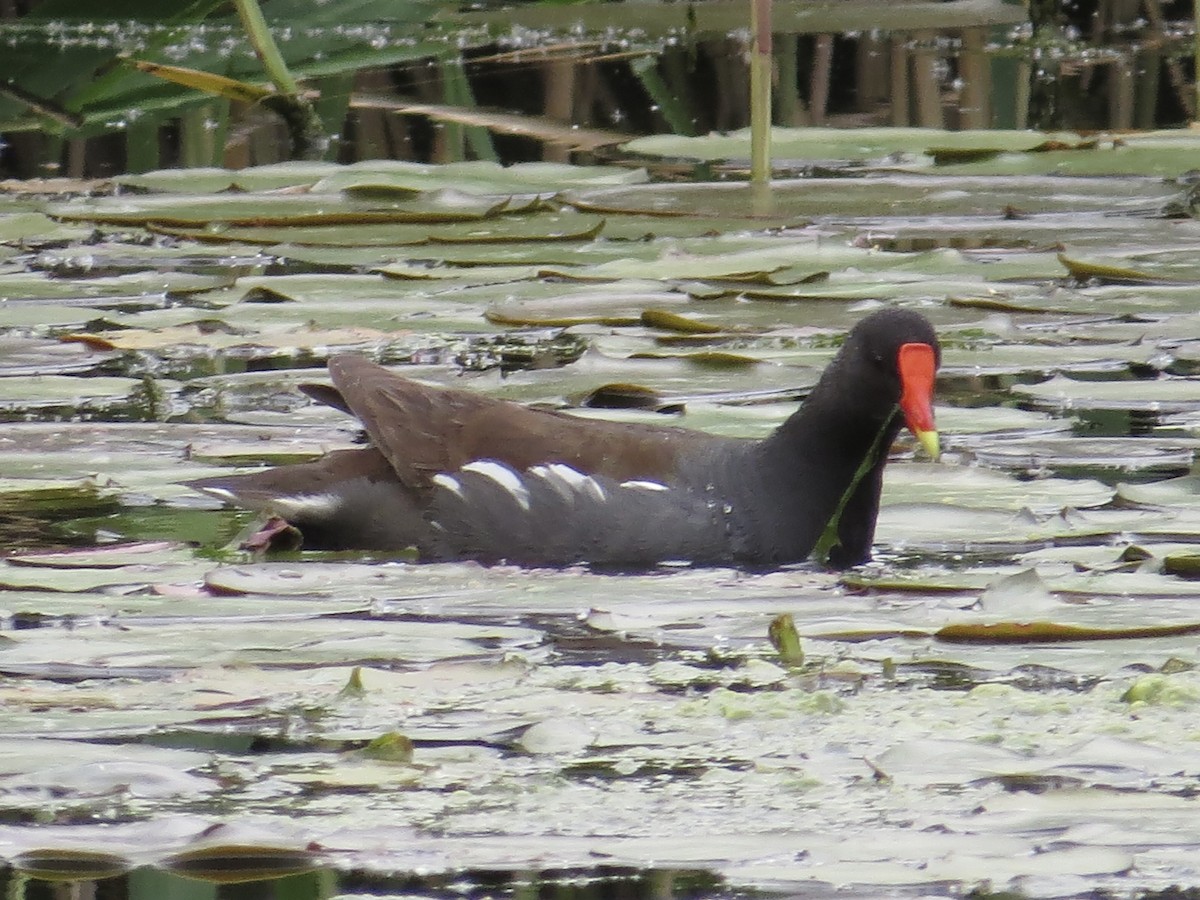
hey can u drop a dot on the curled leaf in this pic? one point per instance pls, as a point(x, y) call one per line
point(786, 639)
point(1052, 632)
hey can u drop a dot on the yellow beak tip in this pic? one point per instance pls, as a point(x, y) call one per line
point(930, 441)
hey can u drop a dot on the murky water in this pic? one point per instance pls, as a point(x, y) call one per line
point(1007, 693)
point(433, 82)
point(1003, 700)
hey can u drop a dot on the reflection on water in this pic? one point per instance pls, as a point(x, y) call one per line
point(599, 883)
point(553, 90)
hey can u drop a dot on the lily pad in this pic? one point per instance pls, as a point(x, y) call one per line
point(965, 486)
point(1163, 395)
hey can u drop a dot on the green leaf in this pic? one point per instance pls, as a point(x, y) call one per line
point(786, 640)
point(392, 747)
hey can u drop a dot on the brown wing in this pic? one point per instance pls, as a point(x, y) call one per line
point(423, 430)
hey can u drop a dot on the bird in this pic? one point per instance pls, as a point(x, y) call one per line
point(457, 475)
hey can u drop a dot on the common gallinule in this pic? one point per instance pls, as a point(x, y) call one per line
point(458, 475)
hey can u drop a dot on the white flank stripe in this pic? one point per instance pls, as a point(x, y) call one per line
point(592, 486)
point(559, 487)
point(450, 483)
point(570, 476)
point(503, 476)
point(220, 494)
point(645, 485)
point(577, 481)
point(297, 505)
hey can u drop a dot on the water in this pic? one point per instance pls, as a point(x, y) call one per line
point(176, 708)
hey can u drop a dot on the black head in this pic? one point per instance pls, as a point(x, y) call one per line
point(878, 338)
point(865, 381)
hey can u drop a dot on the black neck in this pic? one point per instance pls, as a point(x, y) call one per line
point(809, 464)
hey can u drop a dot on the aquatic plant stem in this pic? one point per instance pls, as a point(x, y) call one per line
point(265, 47)
point(760, 91)
point(304, 125)
point(829, 537)
point(673, 107)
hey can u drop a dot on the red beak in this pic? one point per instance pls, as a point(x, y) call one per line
point(917, 364)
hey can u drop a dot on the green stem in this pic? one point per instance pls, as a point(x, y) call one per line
point(457, 92)
point(760, 90)
point(265, 47)
point(829, 537)
point(670, 104)
point(303, 123)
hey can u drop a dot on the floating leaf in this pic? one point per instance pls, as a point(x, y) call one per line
point(105, 557)
point(391, 747)
point(1160, 395)
point(499, 317)
point(236, 864)
point(71, 865)
point(1050, 632)
point(537, 231)
point(715, 359)
point(622, 396)
point(1161, 689)
point(1183, 565)
point(1082, 270)
point(976, 487)
point(669, 321)
point(1184, 489)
